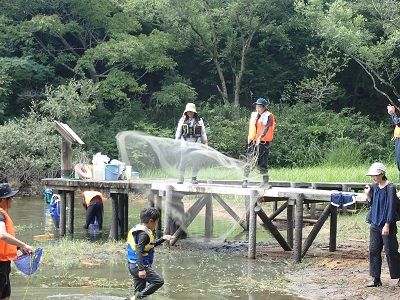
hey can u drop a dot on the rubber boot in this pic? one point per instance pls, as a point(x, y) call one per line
point(245, 183)
point(194, 180)
point(265, 184)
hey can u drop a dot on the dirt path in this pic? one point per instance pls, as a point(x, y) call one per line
point(339, 275)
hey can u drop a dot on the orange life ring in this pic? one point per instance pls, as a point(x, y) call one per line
point(83, 171)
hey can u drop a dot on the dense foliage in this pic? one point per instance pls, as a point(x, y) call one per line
point(327, 67)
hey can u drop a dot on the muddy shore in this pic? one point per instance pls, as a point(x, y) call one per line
point(339, 275)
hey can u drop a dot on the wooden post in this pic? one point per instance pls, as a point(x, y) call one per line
point(126, 213)
point(345, 188)
point(71, 212)
point(177, 211)
point(63, 213)
point(333, 229)
point(150, 198)
point(298, 227)
point(158, 206)
point(121, 220)
point(168, 206)
point(66, 158)
point(247, 207)
point(313, 206)
point(208, 226)
point(114, 217)
point(290, 222)
point(272, 228)
point(317, 227)
point(230, 211)
point(252, 224)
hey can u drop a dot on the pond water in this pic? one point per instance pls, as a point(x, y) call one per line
point(187, 274)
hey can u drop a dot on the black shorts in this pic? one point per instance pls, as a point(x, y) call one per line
point(5, 287)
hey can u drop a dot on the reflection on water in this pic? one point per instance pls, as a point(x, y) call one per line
point(188, 274)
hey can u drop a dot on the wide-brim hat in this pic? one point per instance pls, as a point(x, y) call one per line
point(190, 107)
point(6, 191)
point(376, 169)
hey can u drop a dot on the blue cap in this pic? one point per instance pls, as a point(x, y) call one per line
point(261, 101)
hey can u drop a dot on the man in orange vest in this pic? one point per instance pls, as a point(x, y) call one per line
point(261, 133)
point(93, 203)
point(396, 133)
point(9, 244)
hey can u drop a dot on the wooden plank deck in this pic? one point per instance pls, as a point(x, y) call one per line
point(295, 193)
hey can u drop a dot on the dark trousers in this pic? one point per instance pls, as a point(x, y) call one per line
point(5, 287)
point(262, 161)
point(397, 150)
point(95, 209)
point(376, 243)
point(155, 281)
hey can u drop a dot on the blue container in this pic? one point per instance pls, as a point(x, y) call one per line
point(111, 172)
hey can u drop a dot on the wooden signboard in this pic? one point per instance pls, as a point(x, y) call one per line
point(69, 137)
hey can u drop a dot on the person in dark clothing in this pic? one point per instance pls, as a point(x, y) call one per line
point(141, 243)
point(396, 133)
point(93, 203)
point(382, 200)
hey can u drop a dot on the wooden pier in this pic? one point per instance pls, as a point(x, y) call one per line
point(293, 194)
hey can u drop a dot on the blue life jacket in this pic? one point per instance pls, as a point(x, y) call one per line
point(148, 254)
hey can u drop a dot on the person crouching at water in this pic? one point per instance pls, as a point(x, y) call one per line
point(9, 244)
point(382, 200)
point(141, 243)
point(93, 203)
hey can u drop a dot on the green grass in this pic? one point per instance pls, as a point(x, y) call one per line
point(323, 173)
point(329, 174)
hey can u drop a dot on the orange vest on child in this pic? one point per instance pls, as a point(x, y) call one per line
point(89, 195)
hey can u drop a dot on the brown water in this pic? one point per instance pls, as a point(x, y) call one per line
point(188, 274)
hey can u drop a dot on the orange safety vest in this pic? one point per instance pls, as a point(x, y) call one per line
point(89, 195)
point(396, 132)
point(257, 127)
point(7, 251)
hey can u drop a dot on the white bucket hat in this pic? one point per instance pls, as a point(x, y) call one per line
point(376, 169)
point(190, 107)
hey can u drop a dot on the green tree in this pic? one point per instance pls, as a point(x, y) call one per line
point(224, 31)
point(367, 31)
point(88, 39)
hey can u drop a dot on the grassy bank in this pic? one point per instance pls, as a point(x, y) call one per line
point(324, 173)
point(331, 173)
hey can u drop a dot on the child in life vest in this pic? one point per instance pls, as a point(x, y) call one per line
point(141, 243)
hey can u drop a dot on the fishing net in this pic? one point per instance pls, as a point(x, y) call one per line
point(159, 157)
point(28, 264)
point(150, 154)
